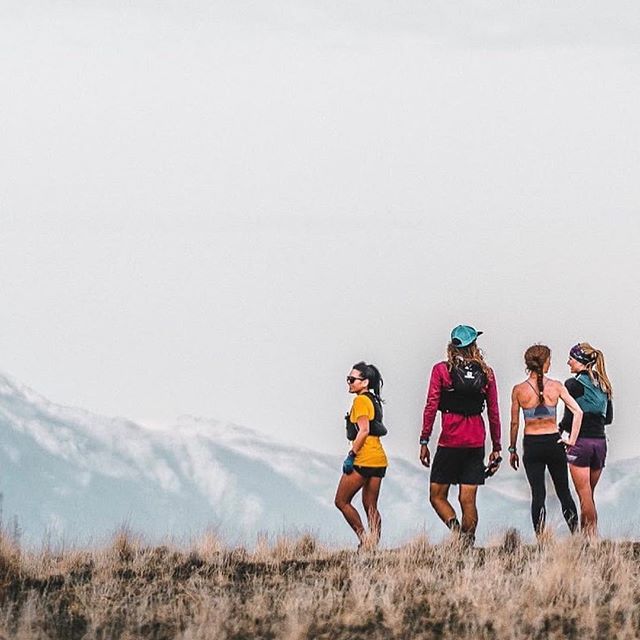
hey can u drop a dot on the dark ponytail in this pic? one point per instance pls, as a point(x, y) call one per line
point(370, 372)
point(535, 358)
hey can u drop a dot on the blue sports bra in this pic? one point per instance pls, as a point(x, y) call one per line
point(541, 411)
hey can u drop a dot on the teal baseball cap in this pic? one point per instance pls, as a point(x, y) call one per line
point(464, 335)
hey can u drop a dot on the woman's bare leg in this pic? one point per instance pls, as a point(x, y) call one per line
point(370, 494)
point(348, 486)
point(594, 476)
point(588, 516)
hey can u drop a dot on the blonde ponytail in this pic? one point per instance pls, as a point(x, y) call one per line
point(596, 369)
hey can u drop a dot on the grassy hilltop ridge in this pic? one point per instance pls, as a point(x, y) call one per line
point(294, 589)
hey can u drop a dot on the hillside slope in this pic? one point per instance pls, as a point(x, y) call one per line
point(68, 473)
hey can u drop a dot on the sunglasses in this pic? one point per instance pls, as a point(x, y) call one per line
point(351, 379)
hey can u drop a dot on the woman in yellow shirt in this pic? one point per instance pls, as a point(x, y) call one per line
point(366, 464)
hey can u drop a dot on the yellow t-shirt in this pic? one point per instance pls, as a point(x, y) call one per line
point(371, 453)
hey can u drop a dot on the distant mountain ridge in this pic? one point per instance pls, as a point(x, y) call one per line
point(74, 475)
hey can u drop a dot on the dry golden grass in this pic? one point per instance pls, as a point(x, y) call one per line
point(293, 588)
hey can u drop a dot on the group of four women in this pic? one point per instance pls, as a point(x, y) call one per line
point(460, 388)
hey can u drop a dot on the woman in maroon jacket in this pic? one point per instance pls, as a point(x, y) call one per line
point(459, 388)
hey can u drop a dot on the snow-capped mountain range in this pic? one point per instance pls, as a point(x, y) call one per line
point(71, 475)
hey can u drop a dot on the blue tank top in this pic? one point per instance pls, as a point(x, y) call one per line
point(594, 399)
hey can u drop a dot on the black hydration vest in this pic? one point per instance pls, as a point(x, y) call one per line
point(376, 428)
point(466, 396)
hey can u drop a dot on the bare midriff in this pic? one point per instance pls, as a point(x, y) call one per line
point(540, 427)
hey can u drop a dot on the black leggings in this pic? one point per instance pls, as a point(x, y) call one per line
point(545, 451)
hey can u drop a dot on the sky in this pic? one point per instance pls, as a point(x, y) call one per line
point(215, 209)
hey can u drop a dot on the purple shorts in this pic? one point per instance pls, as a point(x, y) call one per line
point(588, 452)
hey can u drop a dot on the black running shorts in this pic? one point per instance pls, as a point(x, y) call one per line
point(370, 472)
point(453, 465)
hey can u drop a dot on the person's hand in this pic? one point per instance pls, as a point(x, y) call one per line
point(514, 461)
point(347, 465)
point(493, 465)
point(565, 439)
point(425, 456)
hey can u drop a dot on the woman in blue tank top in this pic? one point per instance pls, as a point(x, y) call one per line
point(592, 390)
point(538, 398)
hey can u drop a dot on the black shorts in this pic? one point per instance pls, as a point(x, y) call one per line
point(452, 465)
point(370, 472)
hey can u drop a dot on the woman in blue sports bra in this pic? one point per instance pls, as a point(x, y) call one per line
point(538, 398)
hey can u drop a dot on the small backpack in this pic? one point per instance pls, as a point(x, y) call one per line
point(376, 427)
point(469, 377)
point(466, 395)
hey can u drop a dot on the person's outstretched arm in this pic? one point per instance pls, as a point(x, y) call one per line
point(429, 413)
point(575, 409)
point(576, 390)
point(608, 419)
point(363, 432)
point(363, 415)
point(514, 459)
point(493, 411)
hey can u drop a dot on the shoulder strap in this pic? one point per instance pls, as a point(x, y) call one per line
point(376, 426)
point(580, 375)
point(536, 390)
point(544, 384)
point(374, 401)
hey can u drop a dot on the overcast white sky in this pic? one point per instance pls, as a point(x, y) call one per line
point(216, 209)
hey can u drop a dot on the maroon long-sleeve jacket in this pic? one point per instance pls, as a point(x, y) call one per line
point(458, 430)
